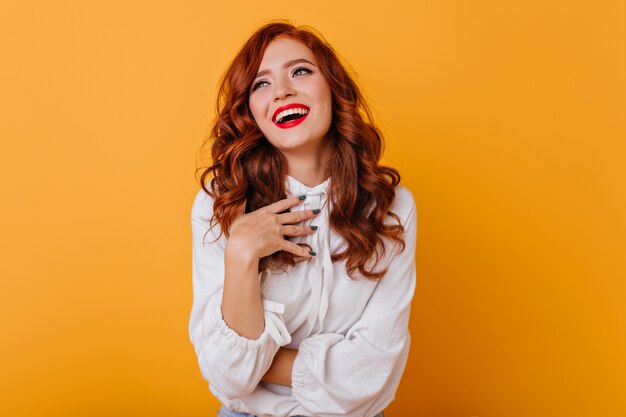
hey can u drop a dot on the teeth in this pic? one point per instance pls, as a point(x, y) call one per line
point(282, 114)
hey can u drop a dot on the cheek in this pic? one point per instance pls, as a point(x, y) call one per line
point(324, 95)
point(325, 98)
point(257, 111)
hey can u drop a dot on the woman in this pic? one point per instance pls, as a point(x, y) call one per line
point(303, 245)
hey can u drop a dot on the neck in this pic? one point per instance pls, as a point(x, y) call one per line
point(309, 169)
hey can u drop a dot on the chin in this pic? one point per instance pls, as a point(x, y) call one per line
point(291, 143)
point(288, 146)
point(295, 144)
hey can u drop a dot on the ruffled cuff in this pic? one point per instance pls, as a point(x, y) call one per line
point(274, 327)
point(311, 351)
point(299, 376)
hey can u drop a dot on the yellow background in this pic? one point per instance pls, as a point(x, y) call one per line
point(505, 119)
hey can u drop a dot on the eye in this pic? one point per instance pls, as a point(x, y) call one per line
point(307, 71)
point(257, 85)
point(296, 71)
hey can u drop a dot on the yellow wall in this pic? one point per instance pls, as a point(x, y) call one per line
point(506, 120)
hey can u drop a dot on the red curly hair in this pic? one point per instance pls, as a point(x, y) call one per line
point(247, 168)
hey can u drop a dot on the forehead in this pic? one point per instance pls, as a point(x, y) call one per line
point(285, 49)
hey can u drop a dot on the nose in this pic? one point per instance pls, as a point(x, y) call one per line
point(283, 89)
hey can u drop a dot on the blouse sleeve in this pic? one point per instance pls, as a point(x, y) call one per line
point(232, 364)
point(358, 374)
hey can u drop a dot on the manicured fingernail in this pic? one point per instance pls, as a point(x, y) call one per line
point(314, 227)
point(316, 211)
point(312, 253)
point(302, 197)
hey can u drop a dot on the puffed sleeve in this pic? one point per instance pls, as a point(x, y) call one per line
point(232, 364)
point(357, 374)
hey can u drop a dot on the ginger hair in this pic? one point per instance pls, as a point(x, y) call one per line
point(247, 168)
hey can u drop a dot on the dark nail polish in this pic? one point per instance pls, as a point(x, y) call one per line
point(316, 211)
point(314, 227)
point(302, 197)
point(312, 253)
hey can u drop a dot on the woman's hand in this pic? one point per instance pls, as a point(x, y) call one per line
point(261, 233)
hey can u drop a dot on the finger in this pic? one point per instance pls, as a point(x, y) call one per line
point(297, 249)
point(297, 230)
point(297, 216)
point(285, 203)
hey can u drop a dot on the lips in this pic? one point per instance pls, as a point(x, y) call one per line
point(290, 123)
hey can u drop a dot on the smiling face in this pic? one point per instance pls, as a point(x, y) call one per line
point(290, 86)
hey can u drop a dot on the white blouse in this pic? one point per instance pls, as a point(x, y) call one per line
point(352, 335)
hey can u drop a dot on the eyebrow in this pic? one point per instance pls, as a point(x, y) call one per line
point(286, 65)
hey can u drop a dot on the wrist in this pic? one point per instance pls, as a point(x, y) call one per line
point(240, 255)
point(282, 367)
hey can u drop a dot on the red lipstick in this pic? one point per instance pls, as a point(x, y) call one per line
point(290, 123)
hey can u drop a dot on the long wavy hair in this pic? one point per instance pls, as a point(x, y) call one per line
point(247, 168)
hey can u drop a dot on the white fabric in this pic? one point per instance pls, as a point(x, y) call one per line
point(352, 335)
